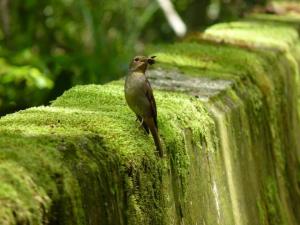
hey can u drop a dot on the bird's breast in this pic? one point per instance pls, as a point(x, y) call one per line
point(134, 84)
point(135, 94)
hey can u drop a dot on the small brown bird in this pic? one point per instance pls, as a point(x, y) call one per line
point(139, 97)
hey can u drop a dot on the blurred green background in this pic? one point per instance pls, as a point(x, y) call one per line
point(47, 46)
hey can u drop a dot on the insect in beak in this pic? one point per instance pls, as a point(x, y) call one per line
point(151, 60)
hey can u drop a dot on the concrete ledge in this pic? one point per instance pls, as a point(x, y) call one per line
point(229, 121)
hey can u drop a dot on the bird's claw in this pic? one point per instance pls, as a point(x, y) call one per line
point(141, 122)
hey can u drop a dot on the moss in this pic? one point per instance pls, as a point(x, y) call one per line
point(288, 19)
point(272, 202)
point(286, 12)
point(275, 67)
point(265, 76)
point(211, 60)
point(16, 191)
point(254, 35)
point(262, 213)
point(82, 158)
point(269, 36)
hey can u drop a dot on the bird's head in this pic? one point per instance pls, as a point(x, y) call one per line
point(140, 63)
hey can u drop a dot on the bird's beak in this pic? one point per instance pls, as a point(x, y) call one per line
point(151, 60)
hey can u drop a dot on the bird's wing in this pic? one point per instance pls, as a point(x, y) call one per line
point(150, 97)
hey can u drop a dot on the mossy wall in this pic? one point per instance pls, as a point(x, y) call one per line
point(228, 115)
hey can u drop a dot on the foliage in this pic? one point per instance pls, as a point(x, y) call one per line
point(22, 86)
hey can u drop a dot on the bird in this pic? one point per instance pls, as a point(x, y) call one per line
point(140, 99)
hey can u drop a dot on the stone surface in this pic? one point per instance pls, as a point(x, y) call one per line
point(200, 87)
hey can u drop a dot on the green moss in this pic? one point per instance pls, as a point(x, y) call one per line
point(288, 19)
point(82, 158)
point(279, 70)
point(286, 14)
point(262, 213)
point(254, 35)
point(16, 191)
point(210, 60)
point(272, 202)
point(262, 70)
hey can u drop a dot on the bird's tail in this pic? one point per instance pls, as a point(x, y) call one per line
point(154, 132)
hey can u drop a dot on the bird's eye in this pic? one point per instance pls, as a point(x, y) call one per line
point(136, 59)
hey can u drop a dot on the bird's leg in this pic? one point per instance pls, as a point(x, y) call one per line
point(142, 123)
point(140, 119)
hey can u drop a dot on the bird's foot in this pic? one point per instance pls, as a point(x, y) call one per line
point(141, 122)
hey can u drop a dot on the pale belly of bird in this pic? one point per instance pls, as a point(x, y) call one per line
point(135, 95)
